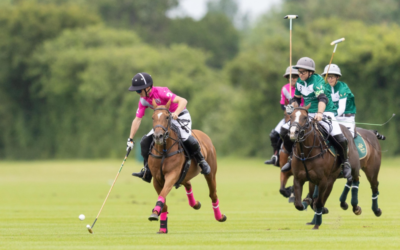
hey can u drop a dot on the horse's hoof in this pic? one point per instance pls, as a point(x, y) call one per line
point(325, 210)
point(310, 223)
point(285, 192)
point(344, 205)
point(162, 232)
point(316, 227)
point(291, 199)
point(378, 212)
point(223, 219)
point(357, 210)
point(197, 206)
point(153, 217)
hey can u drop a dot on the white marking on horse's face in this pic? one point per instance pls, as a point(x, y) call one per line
point(293, 128)
point(159, 115)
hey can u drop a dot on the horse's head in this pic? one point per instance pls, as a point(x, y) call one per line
point(161, 122)
point(299, 122)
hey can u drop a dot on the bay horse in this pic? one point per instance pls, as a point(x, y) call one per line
point(370, 164)
point(313, 162)
point(167, 160)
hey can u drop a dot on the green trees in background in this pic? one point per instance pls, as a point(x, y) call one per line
point(66, 66)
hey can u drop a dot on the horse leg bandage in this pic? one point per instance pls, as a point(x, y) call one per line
point(217, 212)
point(159, 205)
point(318, 216)
point(354, 193)
point(192, 201)
point(375, 202)
point(163, 222)
point(346, 190)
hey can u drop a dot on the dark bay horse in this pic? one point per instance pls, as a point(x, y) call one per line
point(167, 160)
point(313, 162)
point(370, 164)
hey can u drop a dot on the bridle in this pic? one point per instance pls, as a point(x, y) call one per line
point(166, 129)
point(302, 136)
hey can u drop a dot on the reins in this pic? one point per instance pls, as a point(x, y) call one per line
point(303, 135)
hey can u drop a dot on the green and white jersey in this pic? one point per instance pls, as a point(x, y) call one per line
point(343, 98)
point(311, 89)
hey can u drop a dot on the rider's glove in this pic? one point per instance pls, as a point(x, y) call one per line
point(289, 109)
point(130, 144)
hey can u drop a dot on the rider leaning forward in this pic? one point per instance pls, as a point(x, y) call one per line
point(342, 97)
point(142, 83)
point(315, 92)
point(287, 89)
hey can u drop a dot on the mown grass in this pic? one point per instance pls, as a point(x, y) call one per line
point(40, 203)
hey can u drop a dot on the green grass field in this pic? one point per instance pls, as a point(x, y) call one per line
point(40, 203)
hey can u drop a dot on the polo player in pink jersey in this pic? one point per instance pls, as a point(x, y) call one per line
point(285, 97)
point(142, 83)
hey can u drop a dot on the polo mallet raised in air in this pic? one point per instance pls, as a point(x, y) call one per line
point(90, 228)
point(290, 17)
point(334, 50)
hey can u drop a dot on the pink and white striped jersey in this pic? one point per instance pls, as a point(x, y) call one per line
point(161, 95)
point(285, 94)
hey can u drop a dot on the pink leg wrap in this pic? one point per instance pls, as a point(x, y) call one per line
point(163, 222)
point(217, 212)
point(192, 201)
point(158, 208)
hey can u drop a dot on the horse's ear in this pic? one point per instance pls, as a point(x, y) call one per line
point(168, 104)
point(286, 102)
point(154, 103)
point(308, 106)
point(295, 105)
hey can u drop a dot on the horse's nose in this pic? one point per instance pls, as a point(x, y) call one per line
point(158, 136)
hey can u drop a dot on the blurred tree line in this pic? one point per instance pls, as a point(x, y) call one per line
point(65, 66)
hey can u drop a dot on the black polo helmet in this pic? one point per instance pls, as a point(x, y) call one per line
point(141, 81)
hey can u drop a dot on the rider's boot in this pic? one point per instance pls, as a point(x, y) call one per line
point(288, 143)
point(193, 146)
point(275, 143)
point(145, 173)
point(342, 150)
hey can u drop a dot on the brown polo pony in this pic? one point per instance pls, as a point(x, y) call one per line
point(166, 162)
point(313, 162)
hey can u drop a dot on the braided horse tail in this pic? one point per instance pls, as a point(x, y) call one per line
point(379, 136)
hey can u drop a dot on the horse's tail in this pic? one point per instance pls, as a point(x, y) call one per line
point(379, 136)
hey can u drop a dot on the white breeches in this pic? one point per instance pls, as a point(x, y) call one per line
point(185, 127)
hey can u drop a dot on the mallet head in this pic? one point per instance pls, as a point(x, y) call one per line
point(89, 229)
point(291, 17)
point(337, 41)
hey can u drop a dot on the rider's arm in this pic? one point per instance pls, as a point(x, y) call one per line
point(182, 102)
point(135, 126)
point(342, 106)
point(297, 99)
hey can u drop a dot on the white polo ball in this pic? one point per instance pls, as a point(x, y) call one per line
point(82, 217)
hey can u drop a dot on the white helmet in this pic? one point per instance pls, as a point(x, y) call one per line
point(305, 63)
point(333, 69)
point(294, 72)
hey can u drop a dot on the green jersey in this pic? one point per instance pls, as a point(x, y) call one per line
point(311, 89)
point(342, 91)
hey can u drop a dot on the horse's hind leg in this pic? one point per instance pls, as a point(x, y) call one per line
point(189, 192)
point(343, 197)
point(373, 180)
point(354, 197)
point(212, 186)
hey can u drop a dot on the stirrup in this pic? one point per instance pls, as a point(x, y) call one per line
point(272, 161)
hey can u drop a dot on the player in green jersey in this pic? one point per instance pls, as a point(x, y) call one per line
point(342, 97)
point(315, 92)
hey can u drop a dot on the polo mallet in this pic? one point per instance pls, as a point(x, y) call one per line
point(90, 228)
point(333, 53)
point(290, 17)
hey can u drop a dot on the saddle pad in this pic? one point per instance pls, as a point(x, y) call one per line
point(361, 147)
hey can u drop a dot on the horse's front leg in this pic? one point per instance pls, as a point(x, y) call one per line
point(298, 190)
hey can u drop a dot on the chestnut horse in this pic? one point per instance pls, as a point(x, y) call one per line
point(313, 162)
point(167, 160)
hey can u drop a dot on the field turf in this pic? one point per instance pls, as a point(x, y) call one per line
point(40, 202)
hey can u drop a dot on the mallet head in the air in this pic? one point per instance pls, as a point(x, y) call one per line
point(291, 17)
point(89, 229)
point(337, 41)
